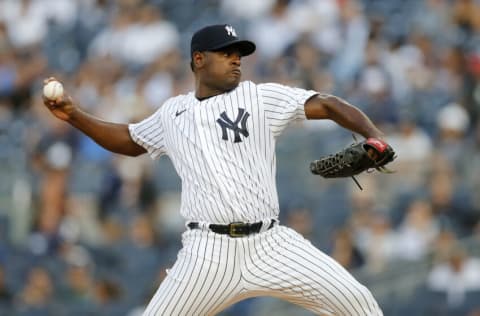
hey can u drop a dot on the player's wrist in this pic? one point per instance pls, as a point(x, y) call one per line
point(375, 134)
point(73, 113)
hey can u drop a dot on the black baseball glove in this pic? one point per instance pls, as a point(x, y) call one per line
point(367, 155)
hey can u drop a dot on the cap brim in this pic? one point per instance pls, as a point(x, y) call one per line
point(246, 47)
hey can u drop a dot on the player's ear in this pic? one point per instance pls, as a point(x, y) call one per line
point(198, 60)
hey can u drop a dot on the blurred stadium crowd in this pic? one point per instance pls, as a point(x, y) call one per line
point(85, 232)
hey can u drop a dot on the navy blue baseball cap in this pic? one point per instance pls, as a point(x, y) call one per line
point(216, 37)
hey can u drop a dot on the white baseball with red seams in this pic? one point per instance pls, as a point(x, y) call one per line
point(53, 90)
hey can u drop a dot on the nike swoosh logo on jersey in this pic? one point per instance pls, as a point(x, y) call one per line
point(179, 112)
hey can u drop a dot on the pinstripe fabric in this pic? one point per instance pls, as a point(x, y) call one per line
point(282, 261)
point(224, 181)
point(214, 271)
point(223, 149)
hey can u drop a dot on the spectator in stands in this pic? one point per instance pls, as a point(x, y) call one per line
point(456, 276)
point(351, 53)
point(275, 22)
point(433, 18)
point(466, 16)
point(149, 37)
point(110, 41)
point(450, 199)
point(108, 295)
point(77, 294)
point(414, 153)
point(37, 293)
point(158, 82)
point(54, 154)
point(372, 232)
point(418, 231)
point(140, 256)
point(470, 166)
point(453, 123)
point(344, 250)
point(301, 220)
point(375, 88)
point(6, 294)
point(26, 22)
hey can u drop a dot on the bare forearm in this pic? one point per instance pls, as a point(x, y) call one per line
point(111, 136)
point(343, 113)
point(353, 118)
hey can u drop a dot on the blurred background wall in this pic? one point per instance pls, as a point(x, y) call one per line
point(86, 232)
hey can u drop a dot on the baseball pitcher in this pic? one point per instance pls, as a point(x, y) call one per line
point(221, 139)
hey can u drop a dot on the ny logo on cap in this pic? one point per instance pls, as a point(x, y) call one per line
point(230, 30)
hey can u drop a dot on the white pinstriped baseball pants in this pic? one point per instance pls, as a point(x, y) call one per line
point(214, 271)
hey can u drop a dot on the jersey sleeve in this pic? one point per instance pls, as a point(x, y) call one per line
point(149, 134)
point(283, 104)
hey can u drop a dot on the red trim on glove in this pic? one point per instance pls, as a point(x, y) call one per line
point(377, 144)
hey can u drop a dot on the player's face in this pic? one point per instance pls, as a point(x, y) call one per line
point(222, 69)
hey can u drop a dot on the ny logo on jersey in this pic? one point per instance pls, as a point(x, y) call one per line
point(226, 123)
point(230, 30)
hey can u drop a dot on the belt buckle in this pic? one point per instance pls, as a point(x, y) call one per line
point(235, 229)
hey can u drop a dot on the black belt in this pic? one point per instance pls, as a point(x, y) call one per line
point(237, 229)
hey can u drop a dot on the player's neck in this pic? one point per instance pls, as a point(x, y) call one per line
point(203, 92)
point(201, 97)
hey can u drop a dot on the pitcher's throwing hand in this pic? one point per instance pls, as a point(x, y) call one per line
point(221, 140)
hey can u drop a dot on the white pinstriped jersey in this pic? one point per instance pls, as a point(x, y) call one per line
point(223, 148)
